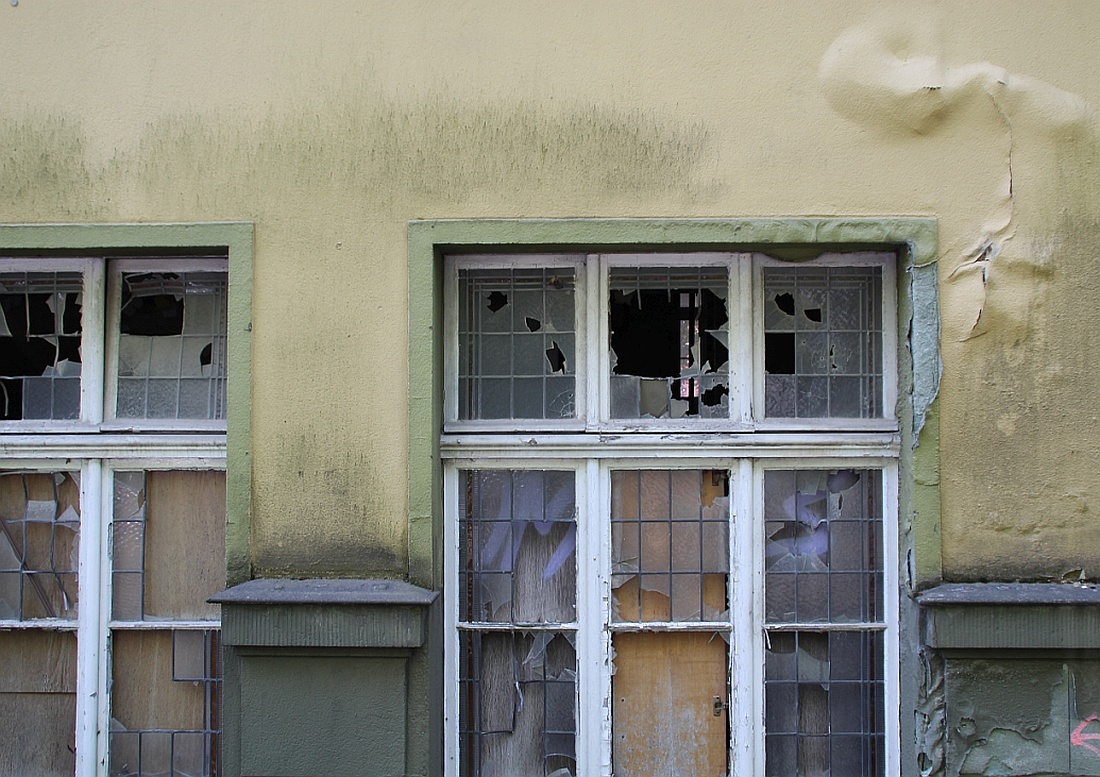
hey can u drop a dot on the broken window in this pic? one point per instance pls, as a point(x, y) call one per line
point(40, 330)
point(643, 584)
point(86, 343)
point(669, 342)
point(171, 346)
point(823, 342)
point(516, 343)
point(518, 577)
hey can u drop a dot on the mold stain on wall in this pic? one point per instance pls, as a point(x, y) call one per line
point(329, 350)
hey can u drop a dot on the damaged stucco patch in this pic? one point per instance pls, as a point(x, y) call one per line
point(1017, 283)
point(889, 74)
point(1017, 717)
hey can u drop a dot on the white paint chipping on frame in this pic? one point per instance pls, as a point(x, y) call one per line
point(90, 689)
point(745, 444)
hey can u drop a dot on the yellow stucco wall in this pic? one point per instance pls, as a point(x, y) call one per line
point(331, 124)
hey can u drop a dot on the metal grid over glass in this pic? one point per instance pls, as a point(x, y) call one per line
point(127, 537)
point(518, 582)
point(172, 345)
point(824, 622)
point(669, 342)
point(40, 332)
point(824, 702)
point(517, 708)
point(669, 545)
point(823, 342)
point(39, 545)
point(516, 343)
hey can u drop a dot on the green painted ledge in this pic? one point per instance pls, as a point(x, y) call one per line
point(232, 238)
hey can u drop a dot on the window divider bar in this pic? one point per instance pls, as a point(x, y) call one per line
point(93, 367)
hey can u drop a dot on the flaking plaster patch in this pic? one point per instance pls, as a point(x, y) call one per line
point(888, 74)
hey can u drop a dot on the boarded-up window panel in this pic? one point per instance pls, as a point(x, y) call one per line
point(143, 695)
point(37, 698)
point(663, 694)
point(184, 543)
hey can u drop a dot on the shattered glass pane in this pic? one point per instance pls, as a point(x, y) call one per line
point(669, 545)
point(823, 703)
point(172, 345)
point(517, 709)
point(822, 342)
point(669, 349)
point(823, 546)
point(518, 536)
point(39, 544)
point(40, 328)
point(517, 349)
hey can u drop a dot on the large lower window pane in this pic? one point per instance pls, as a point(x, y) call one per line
point(669, 545)
point(38, 703)
point(39, 544)
point(516, 343)
point(517, 707)
point(669, 695)
point(823, 546)
point(168, 544)
point(824, 704)
point(517, 540)
point(164, 703)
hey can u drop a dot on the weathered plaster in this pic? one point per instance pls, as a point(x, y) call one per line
point(330, 127)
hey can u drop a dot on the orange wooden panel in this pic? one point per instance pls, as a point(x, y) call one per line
point(663, 705)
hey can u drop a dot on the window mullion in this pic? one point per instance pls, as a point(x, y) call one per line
point(595, 613)
point(450, 620)
point(92, 369)
point(741, 348)
point(89, 680)
point(597, 404)
point(746, 600)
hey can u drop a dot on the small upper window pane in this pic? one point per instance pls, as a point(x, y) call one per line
point(669, 347)
point(517, 343)
point(40, 329)
point(172, 345)
point(823, 342)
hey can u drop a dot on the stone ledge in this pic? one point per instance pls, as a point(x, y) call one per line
point(1011, 615)
point(325, 614)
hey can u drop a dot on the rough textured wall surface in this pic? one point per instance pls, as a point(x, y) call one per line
point(331, 124)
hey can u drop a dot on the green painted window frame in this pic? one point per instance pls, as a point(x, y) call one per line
point(233, 238)
point(914, 239)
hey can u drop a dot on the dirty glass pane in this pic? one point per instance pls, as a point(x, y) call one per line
point(167, 540)
point(40, 331)
point(517, 546)
point(823, 703)
point(669, 350)
point(669, 704)
point(669, 545)
point(823, 546)
point(172, 345)
point(39, 544)
point(164, 703)
point(516, 343)
point(822, 342)
point(38, 702)
point(517, 704)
